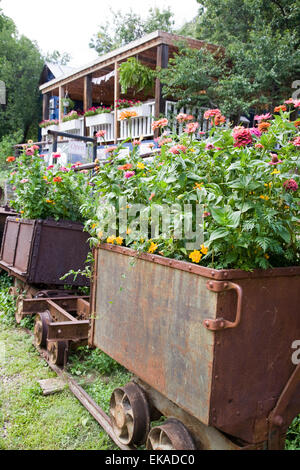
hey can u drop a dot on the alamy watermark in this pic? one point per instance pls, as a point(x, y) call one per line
point(2, 93)
point(163, 221)
point(296, 354)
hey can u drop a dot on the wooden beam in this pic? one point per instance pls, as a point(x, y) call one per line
point(87, 92)
point(46, 107)
point(161, 62)
point(116, 98)
point(61, 109)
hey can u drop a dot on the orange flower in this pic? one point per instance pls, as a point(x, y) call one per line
point(125, 167)
point(58, 179)
point(263, 126)
point(280, 108)
point(297, 123)
point(10, 159)
point(127, 115)
point(219, 120)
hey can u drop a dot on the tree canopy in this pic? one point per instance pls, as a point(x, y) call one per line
point(261, 58)
point(21, 64)
point(126, 27)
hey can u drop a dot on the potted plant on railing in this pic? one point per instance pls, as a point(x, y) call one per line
point(216, 315)
point(99, 115)
point(136, 106)
point(47, 240)
point(74, 118)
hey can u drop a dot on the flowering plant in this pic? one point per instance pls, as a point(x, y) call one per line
point(47, 123)
point(47, 192)
point(98, 110)
point(121, 104)
point(246, 183)
point(71, 116)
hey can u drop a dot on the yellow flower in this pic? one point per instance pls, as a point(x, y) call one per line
point(140, 166)
point(128, 231)
point(127, 115)
point(111, 239)
point(21, 212)
point(119, 240)
point(266, 256)
point(30, 142)
point(198, 185)
point(94, 226)
point(192, 150)
point(153, 247)
point(195, 256)
point(49, 201)
point(45, 178)
point(100, 234)
point(268, 185)
point(275, 172)
point(266, 198)
point(204, 249)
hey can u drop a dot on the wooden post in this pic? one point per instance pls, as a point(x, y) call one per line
point(45, 106)
point(116, 98)
point(61, 109)
point(87, 92)
point(162, 59)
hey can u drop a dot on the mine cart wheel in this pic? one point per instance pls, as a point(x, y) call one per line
point(19, 307)
point(56, 352)
point(129, 414)
point(42, 321)
point(172, 435)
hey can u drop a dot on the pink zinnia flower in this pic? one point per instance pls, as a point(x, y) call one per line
point(242, 136)
point(275, 159)
point(168, 140)
point(262, 117)
point(211, 113)
point(255, 131)
point(152, 196)
point(209, 146)
point(177, 149)
point(259, 146)
point(29, 152)
point(289, 101)
point(181, 117)
point(110, 149)
point(206, 214)
point(160, 123)
point(129, 174)
point(201, 133)
point(56, 155)
point(101, 133)
point(297, 103)
point(35, 147)
point(136, 142)
point(290, 185)
point(50, 167)
point(25, 180)
point(191, 127)
point(296, 141)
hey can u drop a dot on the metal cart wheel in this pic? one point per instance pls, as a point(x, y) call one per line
point(42, 321)
point(19, 307)
point(172, 435)
point(56, 352)
point(130, 416)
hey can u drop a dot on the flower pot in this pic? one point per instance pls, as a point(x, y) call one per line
point(142, 111)
point(217, 343)
point(68, 126)
point(98, 119)
point(49, 128)
point(42, 251)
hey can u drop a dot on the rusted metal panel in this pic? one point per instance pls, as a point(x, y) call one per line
point(149, 318)
point(253, 362)
point(68, 330)
point(10, 235)
point(24, 246)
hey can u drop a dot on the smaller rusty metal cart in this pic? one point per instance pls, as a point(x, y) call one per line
point(211, 350)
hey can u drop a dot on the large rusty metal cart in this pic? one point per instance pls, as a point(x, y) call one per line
point(211, 350)
point(37, 254)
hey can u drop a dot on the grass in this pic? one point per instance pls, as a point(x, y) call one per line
point(31, 421)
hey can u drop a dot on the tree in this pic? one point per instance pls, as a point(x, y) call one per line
point(124, 28)
point(21, 64)
point(58, 58)
point(261, 52)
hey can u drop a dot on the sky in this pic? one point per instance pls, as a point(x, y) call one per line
point(68, 25)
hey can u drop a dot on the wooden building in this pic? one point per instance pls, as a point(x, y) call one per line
point(98, 84)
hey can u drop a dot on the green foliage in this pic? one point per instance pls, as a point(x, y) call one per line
point(7, 148)
point(20, 67)
point(53, 192)
point(7, 302)
point(58, 58)
point(135, 75)
point(85, 360)
point(124, 28)
point(261, 55)
point(250, 216)
point(293, 435)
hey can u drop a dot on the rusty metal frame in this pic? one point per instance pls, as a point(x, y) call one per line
point(280, 417)
point(221, 323)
